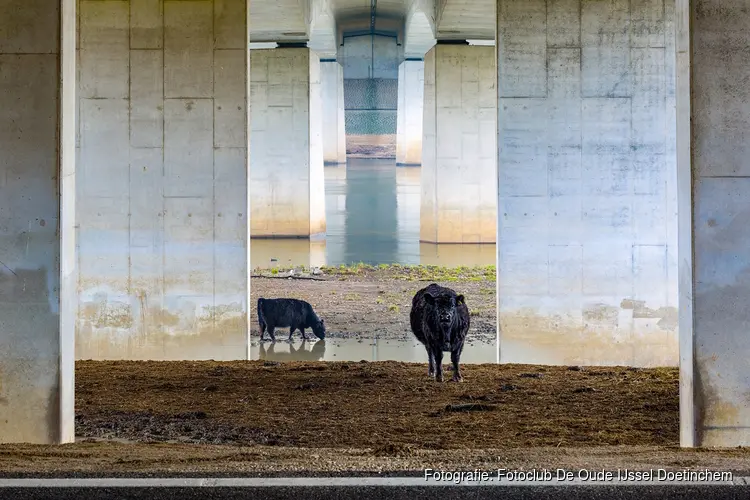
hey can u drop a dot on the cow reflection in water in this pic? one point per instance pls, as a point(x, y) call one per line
point(300, 354)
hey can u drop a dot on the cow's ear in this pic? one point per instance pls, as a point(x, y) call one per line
point(460, 300)
point(429, 299)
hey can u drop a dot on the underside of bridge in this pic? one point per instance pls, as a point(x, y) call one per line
point(600, 144)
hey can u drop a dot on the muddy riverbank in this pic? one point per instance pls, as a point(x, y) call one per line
point(374, 302)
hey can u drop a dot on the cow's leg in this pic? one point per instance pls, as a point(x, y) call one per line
point(304, 337)
point(455, 359)
point(438, 353)
point(270, 332)
point(291, 331)
point(262, 325)
point(431, 360)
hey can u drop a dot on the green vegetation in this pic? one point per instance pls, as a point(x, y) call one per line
point(400, 272)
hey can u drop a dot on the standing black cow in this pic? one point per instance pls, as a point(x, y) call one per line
point(440, 320)
point(294, 313)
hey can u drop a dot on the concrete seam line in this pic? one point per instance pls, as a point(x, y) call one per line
point(328, 482)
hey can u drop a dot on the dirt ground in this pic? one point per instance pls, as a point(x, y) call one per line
point(340, 404)
point(377, 303)
point(311, 416)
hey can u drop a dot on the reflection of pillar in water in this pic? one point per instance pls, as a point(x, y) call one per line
point(371, 220)
point(287, 252)
point(457, 254)
point(407, 201)
point(317, 253)
point(335, 214)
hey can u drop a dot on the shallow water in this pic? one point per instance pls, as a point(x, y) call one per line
point(372, 213)
point(357, 349)
point(476, 351)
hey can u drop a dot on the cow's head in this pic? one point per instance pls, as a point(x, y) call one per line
point(319, 329)
point(445, 307)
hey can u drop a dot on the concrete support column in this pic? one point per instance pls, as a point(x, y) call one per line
point(162, 180)
point(287, 184)
point(714, 204)
point(587, 261)
point(37, 221)
point(459, 187)
point(334, 126)
point(410, 113)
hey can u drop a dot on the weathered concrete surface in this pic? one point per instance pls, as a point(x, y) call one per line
point(587, 184)
point(334, 125)
point(286, 147)
point(459, 191)
point(162, 203)
point(410, 113)
point(37, 146)
point(720, 66)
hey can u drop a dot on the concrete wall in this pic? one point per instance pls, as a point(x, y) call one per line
point(371, 95)
point(36, 369)
point(366, 57)
point(162, 179)
point(410, 113)
point(587, 199)
point(334, 125)
point(287, 186)
point(715, 338)
point(459, 192)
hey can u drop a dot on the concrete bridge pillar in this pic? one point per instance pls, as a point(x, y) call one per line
point(410, 112)
point(37, 221)
point(587, 255)
point(334, 126)
point(287, 186)
point(162, 202)
point(714, 236)
point(459, 187)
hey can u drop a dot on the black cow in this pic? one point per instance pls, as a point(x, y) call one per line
point(440, 320)
point(294, 313)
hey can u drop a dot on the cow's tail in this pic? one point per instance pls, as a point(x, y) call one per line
point(261, 318)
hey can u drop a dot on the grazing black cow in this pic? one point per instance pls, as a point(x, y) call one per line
point(294, 313)
point(440, 320)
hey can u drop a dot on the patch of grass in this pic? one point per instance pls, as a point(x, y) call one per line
point(394, 308)
point(403, 272)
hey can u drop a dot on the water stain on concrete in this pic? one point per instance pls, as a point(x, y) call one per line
point(668, 317)
point(601, 313)
point(527, 336)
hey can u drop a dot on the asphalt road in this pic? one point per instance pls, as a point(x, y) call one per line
point(351, 488)
point(382, 492)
